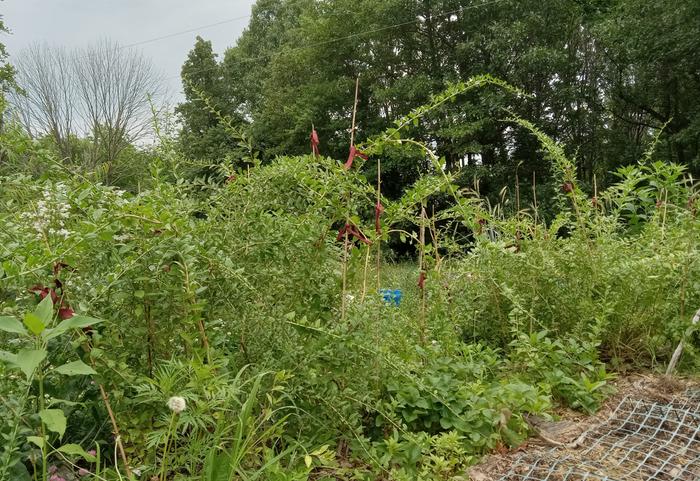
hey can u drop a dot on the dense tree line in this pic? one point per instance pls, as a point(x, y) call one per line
point(604, 77)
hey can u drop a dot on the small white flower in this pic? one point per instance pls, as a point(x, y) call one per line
point(177, 404)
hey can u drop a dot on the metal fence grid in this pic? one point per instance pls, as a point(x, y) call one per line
point(642, 440)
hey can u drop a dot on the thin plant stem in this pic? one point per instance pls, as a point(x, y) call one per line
point(164, 463)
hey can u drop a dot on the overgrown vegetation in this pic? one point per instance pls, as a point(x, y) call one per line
point(209, 311)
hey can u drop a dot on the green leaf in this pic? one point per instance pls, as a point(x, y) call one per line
point(54, 419)
point(75, 322)
point(139, 294)
point(10, 324)
point(34, 323)
point(38, 440)
point(29, 359)
point(75, 368)
point(44, 311)
point(75, 450)
point(8, 357)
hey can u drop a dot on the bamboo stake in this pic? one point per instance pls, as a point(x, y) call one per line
point(423, 216)
point(534, 200)
point(364, 277)
point(347, 215)
point(113, 420)
point(354, 112)
point(115, 430)
point(379, 239)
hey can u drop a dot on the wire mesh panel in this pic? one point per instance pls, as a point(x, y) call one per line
point(642, 440)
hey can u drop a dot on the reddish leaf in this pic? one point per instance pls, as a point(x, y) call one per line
point(353, 154)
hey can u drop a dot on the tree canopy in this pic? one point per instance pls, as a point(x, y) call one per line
point(603, 77)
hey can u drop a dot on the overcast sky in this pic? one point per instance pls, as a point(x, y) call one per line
point(75, 23)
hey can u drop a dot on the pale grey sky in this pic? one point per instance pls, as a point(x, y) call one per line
point(75, 23)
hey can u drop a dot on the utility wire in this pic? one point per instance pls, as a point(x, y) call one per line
point(190, 30)
point(347, 37)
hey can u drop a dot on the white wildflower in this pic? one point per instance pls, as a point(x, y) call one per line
point(177, 404)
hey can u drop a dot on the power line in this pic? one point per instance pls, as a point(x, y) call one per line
point(190, 30)
point(354, 35)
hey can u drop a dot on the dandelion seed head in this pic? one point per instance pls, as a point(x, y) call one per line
point(177, 404)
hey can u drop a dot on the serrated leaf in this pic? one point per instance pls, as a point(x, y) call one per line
point(55, 420)
point(27, 360)
point(10, 324)
point(34, 324)
point(75, 322)
point(44, 311)
point(76, 450)
point(75, 368)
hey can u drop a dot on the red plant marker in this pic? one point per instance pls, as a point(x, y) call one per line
point(314, 142)
point(42, 292)
point(352, 231)
point(359, 235)
point(421, 280)
point(378, 211)
point(353, 153)
point(341, 232)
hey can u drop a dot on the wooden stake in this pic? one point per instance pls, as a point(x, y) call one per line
point(343, 305)
point(421, 266)
point(379, 239)
point(113, 420)
point(115, 430)
point(354, 112)
point(534, 199)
